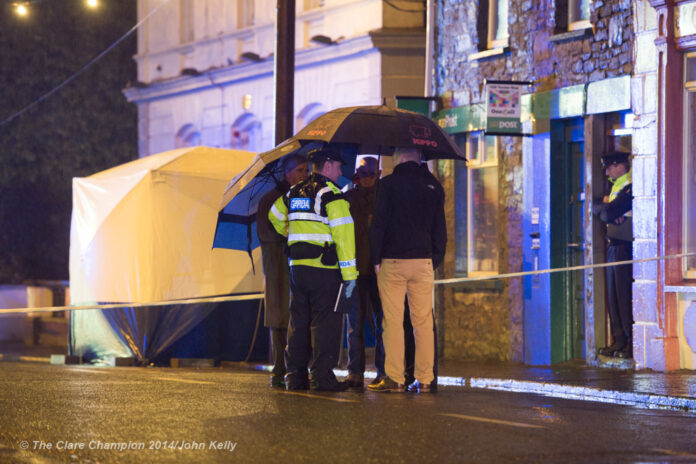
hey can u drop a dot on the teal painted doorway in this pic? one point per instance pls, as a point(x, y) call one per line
point(567, 239)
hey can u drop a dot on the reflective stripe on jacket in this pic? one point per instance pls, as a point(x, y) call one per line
point(618, 185)
point(315, 211)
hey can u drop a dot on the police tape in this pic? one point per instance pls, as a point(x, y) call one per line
point(208, 299)
point(257, 296)
point(559, 269)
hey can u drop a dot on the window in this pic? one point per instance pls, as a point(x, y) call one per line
point(188, 136)
point(245, 13)
point(312, 4)
point(186, 23)
point(308, 114)
point(246, 133)
point(476, 209)
point(688, 211)
point(572, 15)
point(497, 23)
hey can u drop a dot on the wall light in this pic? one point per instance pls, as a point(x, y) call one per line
point(21, 9)
point(92, 3)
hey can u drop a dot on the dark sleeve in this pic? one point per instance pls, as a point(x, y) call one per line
point(439, 235)
point(379, 224)
point(622, 204)
point(264, 229)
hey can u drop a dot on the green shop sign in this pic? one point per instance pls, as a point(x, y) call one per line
point(461, 119)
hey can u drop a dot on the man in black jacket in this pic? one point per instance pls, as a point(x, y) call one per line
point(407, 241)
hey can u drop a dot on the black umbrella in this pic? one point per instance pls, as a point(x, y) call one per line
point(380, 129)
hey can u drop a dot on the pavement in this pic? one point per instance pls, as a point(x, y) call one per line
point(675, 390)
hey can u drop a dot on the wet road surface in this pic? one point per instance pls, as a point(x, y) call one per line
point(87, 414)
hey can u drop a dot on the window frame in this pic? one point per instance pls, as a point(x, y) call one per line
point(689, 89)
point(575, 24)
point(479, 138)
point(246, 13)
point(492, 42)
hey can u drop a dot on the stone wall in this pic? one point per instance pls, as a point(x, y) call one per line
point(643, 99)
point(487, 322)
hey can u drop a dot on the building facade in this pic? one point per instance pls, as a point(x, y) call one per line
point(205, 67)
point(603, 75)
point(523, 203)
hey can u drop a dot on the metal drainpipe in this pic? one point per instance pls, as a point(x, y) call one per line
point(429, 44)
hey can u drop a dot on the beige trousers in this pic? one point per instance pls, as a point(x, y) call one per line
point(398, 278)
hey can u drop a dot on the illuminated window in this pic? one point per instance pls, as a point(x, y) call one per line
point(572, 15)
point(476, 208)
point(497, 24)
point(246, 133)
point(688, 210)
point(245, 13)
point(186, 21)
point(312, 4)
point(187, 136)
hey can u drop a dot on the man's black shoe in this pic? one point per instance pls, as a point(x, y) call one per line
point(625, 353)
point(618, 345)
point(336, 387)
point(356, 381)
point(417, 387)
point(277, 382)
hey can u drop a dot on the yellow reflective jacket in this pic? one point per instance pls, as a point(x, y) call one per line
point(315, 212)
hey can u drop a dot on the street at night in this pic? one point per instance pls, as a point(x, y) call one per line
point(89, 414)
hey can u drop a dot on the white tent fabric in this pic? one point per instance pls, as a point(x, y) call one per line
point(143, 231)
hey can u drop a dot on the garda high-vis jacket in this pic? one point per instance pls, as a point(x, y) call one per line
point(620, 204)
point(316, 219)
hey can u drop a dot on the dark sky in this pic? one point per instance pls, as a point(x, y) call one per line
point(86, 127)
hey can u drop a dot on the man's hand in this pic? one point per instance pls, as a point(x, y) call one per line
point(377, 267)
point(350, 286)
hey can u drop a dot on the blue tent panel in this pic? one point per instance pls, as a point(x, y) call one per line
point(235, 236)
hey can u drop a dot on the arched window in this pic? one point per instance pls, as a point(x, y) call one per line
point(308, 114)
point(187, 136)
point(246, 133)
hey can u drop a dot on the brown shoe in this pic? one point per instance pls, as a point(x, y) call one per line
point(355, 381)
point(417, 387)
point(377, 379)
point(387, 385)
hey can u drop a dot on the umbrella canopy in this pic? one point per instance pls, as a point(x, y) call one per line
point(380, 129)
point(236, 225)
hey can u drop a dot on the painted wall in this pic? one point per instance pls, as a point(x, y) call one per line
point(194, 80)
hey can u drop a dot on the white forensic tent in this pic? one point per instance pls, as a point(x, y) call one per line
point(143, 232)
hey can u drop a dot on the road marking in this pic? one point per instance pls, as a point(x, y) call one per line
point(673, 453)
point(494, 421)
point(172, 379)
point(319, 397)
point(92, 370)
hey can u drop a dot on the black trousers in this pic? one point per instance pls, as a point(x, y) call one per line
point(314, 332)
point(279, 338)
point(367, 307)
point(619, 290)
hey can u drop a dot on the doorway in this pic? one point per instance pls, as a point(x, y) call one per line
point(567, 239)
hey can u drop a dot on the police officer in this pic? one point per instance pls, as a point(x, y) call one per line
point(321, 246)
point(615, 211)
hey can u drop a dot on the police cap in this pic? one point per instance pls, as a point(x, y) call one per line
point(319, 155)
point(615, 157)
